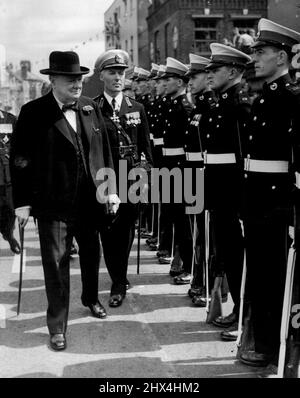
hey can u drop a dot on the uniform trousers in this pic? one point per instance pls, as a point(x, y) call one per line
point(174, 214)
point(267, 245)
point(117, 236)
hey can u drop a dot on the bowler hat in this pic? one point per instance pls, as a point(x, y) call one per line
point(64, 63)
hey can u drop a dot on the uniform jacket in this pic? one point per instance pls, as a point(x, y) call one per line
point(272, 134)
point(7, 125)
point(157, 127)
point(221, 131)
point(177, 118)
point(44, 161)
point(133, 120)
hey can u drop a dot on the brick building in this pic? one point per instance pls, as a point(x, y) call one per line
point(285, 12)
point(126, 28)
point(179, 27)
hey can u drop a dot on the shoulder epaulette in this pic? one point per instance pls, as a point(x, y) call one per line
point(294, 88)
point(128, 102)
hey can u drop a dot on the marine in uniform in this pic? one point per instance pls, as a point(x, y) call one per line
point(7, 213)
point(128, 132)
point(176, 122)
point(271, 151)
point(204, 99)
point(221, 130)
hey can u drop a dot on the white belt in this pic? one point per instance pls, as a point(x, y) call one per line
point(194, 156)
point(6, 128)
point(266, 166)
point(219, 158)
point(158, 141)
point(173, 151)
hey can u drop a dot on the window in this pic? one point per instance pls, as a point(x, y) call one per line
point(131, 50)
point(156, 47)
point(167, 29)
point(205, 33)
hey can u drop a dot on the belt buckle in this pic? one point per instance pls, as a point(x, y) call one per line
point(122, 152)
point(247, 164)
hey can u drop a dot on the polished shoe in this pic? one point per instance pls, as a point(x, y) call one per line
point(152, 241)
point(183, 279)
point(225, 321)
point(195, 291)
point(153, 247)
point(230, 334)
point(58, 342)
point(116, 300)
point(165, 260)
point(253, 358)
point(163, 253)
point(97, 310)
point(200, 301)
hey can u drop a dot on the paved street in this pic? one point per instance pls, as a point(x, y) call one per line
point(155, 333)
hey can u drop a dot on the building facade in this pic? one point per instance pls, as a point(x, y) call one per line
point(285, 12)
point(126, 28)
point(179, 27)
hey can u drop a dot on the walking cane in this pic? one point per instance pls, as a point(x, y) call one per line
point(158, 225)
point(139, 240)
point(286, 309)
point(242, 297)
point(194, 247)
point(21, 232)
point(207, 219)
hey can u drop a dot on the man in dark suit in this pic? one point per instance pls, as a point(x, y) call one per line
point(128, 132)
point(58, 147)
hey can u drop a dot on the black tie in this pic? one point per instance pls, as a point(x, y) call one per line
point(68, 107)
point(114, 105)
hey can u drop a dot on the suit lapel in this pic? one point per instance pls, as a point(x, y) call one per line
point(86, 122)
point(59, 120)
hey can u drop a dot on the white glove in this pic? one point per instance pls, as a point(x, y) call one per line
point(297, 183)
point(292, 233)
point(113, 202)
point(23, 214)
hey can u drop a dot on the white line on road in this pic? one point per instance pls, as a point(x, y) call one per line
point(16, 263)
point(2, 317)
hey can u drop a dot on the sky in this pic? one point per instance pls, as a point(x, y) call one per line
point(31, 29)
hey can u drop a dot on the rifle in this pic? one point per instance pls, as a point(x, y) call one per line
point(21, 232)
point(139, 239)
point(207, 220)
point(286, 309)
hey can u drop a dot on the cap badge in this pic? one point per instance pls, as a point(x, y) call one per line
point(225, 96)
point(118, 59)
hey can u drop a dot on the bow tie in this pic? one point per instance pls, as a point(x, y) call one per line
point(70, 107)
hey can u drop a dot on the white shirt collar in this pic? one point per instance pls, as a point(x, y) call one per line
point(60, 104)
point(118, 98)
